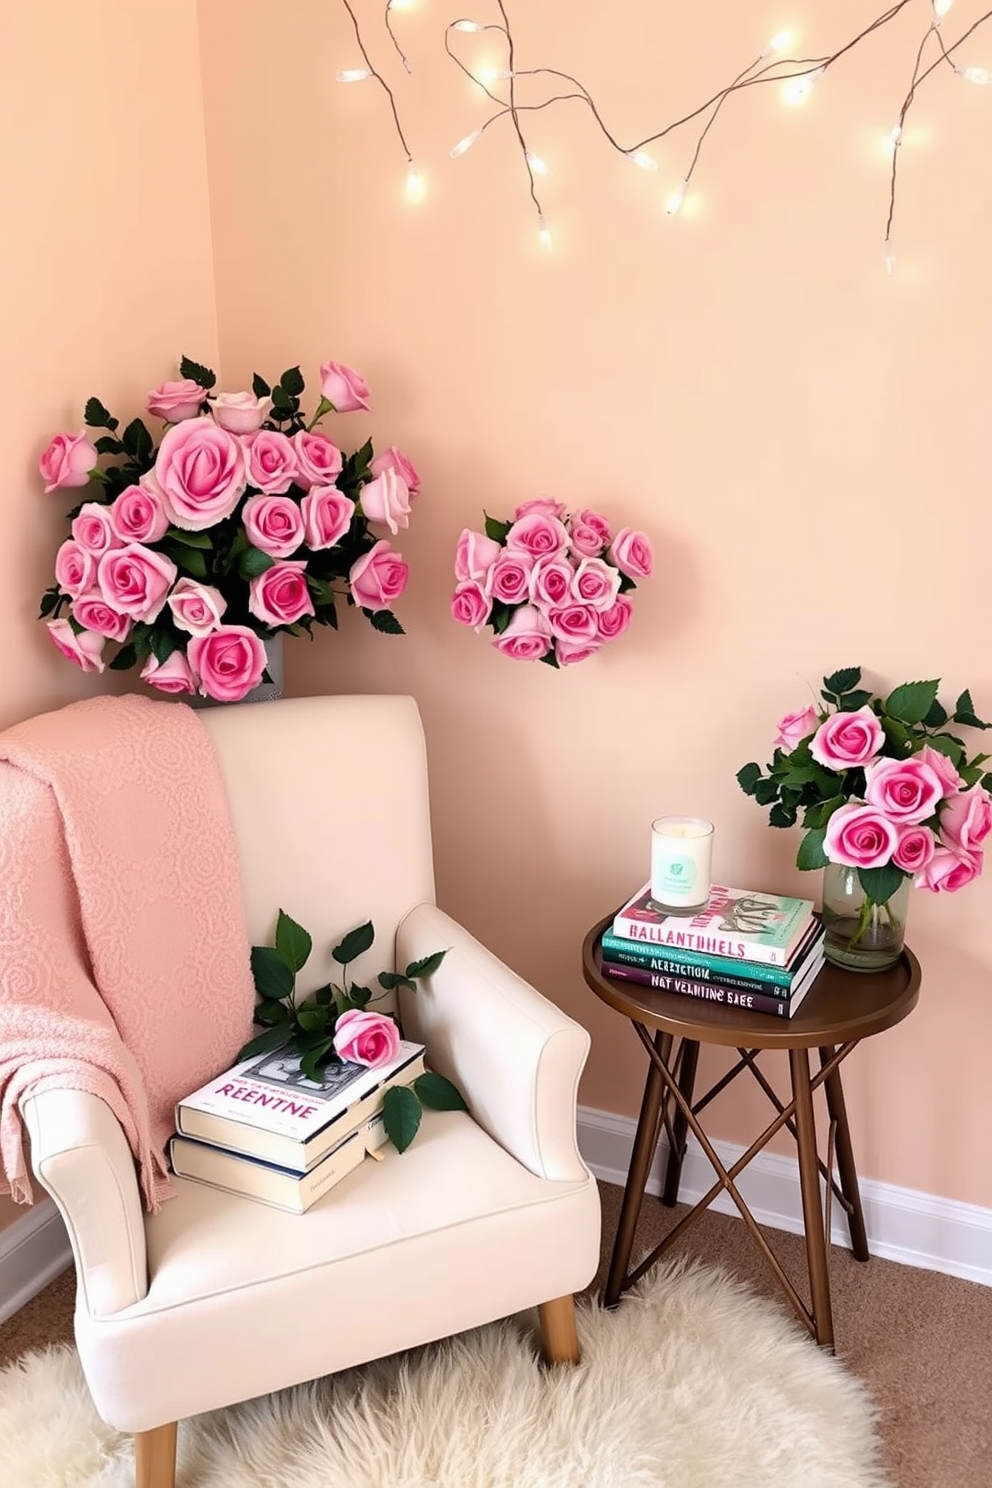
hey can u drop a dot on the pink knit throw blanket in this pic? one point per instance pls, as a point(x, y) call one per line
point(124, 959)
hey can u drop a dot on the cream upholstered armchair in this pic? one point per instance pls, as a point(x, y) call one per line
point(216, 1299)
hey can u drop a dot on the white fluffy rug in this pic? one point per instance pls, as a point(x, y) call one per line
point(693, 1382)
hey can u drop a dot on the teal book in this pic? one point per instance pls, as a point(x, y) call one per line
point(736, 926)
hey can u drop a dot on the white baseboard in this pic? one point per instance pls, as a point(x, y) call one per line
point(917, 1229)
point(33, 1251)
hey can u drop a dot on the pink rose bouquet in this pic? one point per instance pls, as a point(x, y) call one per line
point(245, 521)
point(552, 585)
point(883, 786)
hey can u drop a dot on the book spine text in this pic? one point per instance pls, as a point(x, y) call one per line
point(697, 965)
point(736, 997)
point(705, 942)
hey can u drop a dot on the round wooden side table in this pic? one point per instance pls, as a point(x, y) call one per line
point(839, 1010)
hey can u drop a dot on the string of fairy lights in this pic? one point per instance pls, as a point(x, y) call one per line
point(796, 76)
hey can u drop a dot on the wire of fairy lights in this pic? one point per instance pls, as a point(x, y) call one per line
point(414, 184)
point(796, 75)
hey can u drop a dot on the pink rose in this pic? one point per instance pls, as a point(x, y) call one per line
point(85, 649)
point(567, 652)
point(596, 583)
point(274, 524)
point(470, 604)
point(942, 767)
point(966, 819)
point(200, 474)
point(392, 459)
point(270, 461)
point(551, 581)
point(92, 611)
point(537, 534)
point(319, 461)
point(795, 727)
point(172, 675)
point(574, 622)
point(614, 621)
point(135, 580)
point(511, 577)
point(379, 577)
point(67, 462)
point(280, 595)
point(93, 528)
point(387, 499)
point(847, 739)
point(138, 515)
point(589, 533)
point(327, 515)
point(905, 790)
point(632, 553)
point(239, 413)
point(916, 848)
point(74, 567)
point(475, 555)
point(196, 608)
point(366, 1038)
point(540, 506)
point(175, 401)
point(527, 637)
point(948, 871)
point(860, 837)
point(343, 388)
point(227, 663)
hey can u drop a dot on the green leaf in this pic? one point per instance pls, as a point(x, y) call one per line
point(390, 980)
point(843, 680)
point(190, 560)
point(401, 1115)
point(293, 943)
point(765, 792)
point(820, 812)
point(850, 702)
point(106, 445)
point(282, 402)
point(97, 416)
point(987, 782)
point(190, 539)
point(359, 997)
point(947, 744)
point(324, 995)
point(162, 643)
point(273, 1013)
point(748, 777)
point(354, 943)
point(782, 816)
point(49, 602)
point(500, 617)
point(292, 382)
point(964, 712)
point(254, 562)
point(550, 659)
point(259, 386)
point(385, 621)
point(438, 1093)
point(881, 883)
point(911, 702)
point(496, 529)
point(197, 373)
point(272, 1038)
point(125, 658)
point(897, 734)
point(427, 965)
point(811, 854)
point(314, 1058)
point(312, 1019)
point(273, 977)
point(138, 442)
point(937, 716)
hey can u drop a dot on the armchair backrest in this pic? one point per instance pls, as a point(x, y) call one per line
point(330, 807)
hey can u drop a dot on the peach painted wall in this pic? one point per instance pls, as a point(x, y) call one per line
point(805, 438)
point(100, 286)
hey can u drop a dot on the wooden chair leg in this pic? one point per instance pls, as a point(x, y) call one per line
point(155, 1457)
point(561, 1341)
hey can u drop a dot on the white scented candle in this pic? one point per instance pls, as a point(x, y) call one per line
point(681, 858)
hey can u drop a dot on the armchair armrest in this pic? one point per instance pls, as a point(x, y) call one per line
point(514, 1055)
point(81, 1156)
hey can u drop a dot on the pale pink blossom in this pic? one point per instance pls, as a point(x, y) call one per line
point(138, 515)
point(280, 595)
point(943, 767)
point(966, 819)
point(387, 499)
point(905, 790)
point(93, 528)
point(551, 581)
point(527, 637)
point(845, 740)
point(596, 583)
point(177, 400)
point(92, 611)
point(227, 663)
point(327, 515)
point(574, 622)
point(85, 649)
point(860, 836)
point(135, 580)
point(196, 608)
point(343, 387)
point(174, 675)
point(589, 533)
point(200, 474)
point(916, 847)
point(511, 577)
point(475, 555)
point(366, 1038)
point(67, 462)
point(274, 524)
point(948, 870)
point(394, 459)
point(568, 652)
point(74, 567)
point(319, 461)
point(270, 461)
point(614, 621)
point(541, 506)
point(795, 727)
point(239, 413)
point(537, 534)
point(470, 604)
point(378, 577)
point(632, 553)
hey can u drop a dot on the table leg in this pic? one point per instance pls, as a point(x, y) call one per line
point(680, 1126)
point(845, 1160)
point(645, 1142)
point(809, 1181)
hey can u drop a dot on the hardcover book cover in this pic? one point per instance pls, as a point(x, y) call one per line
point(776, 981)
point(753, 1001)
point(738, 924)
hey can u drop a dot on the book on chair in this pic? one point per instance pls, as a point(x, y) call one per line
point(266, 1108)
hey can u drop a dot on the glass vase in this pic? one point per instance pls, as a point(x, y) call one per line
point(860, 935)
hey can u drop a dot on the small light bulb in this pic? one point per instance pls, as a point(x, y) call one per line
point(674, 202)
point(353, 74)
point(643, 159)
point(543, 232)
point(895, 137)
point(940, 9)
point(778, 43)
point(890, 257)
point(414, 183)
point(465, 144)
point(493, 74)
point(797, 88)
point(979, 75)
point(467, 26)
point(538, 166)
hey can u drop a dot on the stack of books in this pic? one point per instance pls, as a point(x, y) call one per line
point(752, 951)
point(265, 1131)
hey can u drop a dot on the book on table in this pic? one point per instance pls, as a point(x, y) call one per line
point(254, 1178)
point(736, 925)
point(266, 1108)
point(754, 997)
point(772, 981)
